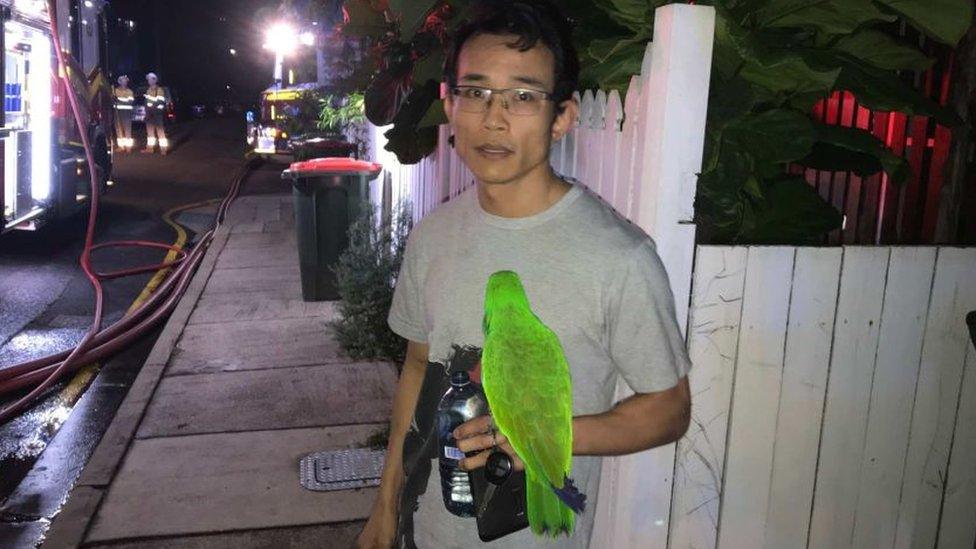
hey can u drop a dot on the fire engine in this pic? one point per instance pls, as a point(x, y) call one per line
point(43, 171)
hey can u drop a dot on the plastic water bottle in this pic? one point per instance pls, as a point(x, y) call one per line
point(462, 402)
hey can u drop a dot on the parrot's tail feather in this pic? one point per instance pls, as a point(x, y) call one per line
point(571, 496)
point(546, 512)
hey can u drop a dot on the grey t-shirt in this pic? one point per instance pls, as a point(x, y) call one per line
point(591, 276)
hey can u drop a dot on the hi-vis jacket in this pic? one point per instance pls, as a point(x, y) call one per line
point(124, 99)
point(156, 99)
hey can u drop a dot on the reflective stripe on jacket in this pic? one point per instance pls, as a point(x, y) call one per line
point(124, 99)
point(156, 99)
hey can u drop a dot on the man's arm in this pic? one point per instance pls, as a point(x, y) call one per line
point(642, 421)
point(404, 404)
point(380, 529)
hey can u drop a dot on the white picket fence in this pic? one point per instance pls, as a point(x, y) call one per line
point(834, 391)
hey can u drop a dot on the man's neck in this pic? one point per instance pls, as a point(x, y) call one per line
point(534, 193)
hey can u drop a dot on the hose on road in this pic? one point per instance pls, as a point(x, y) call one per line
point(99, 343)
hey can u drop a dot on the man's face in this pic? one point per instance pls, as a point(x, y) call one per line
point(151, 80)
point(498, 146)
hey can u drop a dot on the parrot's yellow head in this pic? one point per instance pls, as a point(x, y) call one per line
point(504, 292)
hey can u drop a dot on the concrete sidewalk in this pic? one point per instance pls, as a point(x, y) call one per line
point(244, 380)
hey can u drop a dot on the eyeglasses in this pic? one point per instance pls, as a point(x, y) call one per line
point(518, 101)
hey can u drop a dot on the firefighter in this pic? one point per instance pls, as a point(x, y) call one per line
point(157, 98)
point(124, 100)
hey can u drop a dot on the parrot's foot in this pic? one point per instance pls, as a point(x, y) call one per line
point(573, 498)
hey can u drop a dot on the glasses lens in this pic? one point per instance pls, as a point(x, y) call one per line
point(524, 102)
point(473, 100)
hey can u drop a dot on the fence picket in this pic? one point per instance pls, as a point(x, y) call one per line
point(957, 526)
point(713, 332)
point(755, 396)
point(610, 144)
point(862, 284)
point(936, 397)
point(628, 168)
point(808, 340)
point(892, 393)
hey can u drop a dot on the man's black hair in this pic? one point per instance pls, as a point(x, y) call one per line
point(529, 21)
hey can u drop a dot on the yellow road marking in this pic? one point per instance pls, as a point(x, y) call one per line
point(70, 394)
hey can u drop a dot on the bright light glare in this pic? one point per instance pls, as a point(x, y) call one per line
point(308, 39)
point(281, 39)
point(88, 3)
point(41, 107)
point(232, 51)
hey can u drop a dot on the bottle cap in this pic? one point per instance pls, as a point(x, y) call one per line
point(459, 379)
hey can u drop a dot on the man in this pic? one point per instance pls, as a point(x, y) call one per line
point(590, 275)
point(157, 98)
point(124, 100)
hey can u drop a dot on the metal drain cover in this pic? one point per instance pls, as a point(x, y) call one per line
point(342, 469)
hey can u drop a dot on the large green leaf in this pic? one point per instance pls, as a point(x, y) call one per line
point(882, 51)
point(830, 16)
point(852, 149)
point(615, 72)
point(411, 14)
point(719, 207)
point(792, 213)
point(792, 74)
point(435, 115)
point(636, 15)
point(604, 48)
point(430, 67)
point(879, 89)
point(728, 99)
point(410, 143)
point(945, 20)
point(778, 135)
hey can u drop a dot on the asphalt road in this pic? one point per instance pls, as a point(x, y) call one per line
point(46, 305)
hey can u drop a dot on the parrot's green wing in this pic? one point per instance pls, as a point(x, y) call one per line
point(527, 382)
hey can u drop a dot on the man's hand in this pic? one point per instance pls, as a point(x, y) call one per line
point(380, 529)
point(480, 435)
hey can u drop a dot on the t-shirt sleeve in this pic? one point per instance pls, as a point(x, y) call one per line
point(407, 314)
point(644, 341)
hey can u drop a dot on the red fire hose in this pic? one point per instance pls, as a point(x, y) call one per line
point(97, 343)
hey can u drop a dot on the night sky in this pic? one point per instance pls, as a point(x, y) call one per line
point(186, 43)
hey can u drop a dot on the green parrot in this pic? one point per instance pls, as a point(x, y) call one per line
point(527, 382)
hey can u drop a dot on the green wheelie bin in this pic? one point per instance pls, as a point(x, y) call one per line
point(328, 194)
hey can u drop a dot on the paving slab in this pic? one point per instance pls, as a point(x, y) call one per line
point(266, 305)
point(284, 398)
point(325, 536)
point(260, 240)
point(251, 211)
point(241, 258)
point(284, 280)
point(199, 484)
point(255, 345)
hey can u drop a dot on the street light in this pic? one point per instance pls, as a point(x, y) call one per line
point(233, 51)
point(280, 39)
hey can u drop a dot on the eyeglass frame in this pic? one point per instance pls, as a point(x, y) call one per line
point(546, 96)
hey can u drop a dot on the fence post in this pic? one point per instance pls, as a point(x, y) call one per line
point(634, 507)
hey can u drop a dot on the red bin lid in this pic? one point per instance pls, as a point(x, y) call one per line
point(334, 165)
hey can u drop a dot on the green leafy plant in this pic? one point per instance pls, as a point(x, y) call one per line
point(337, 112)
point(366, 276)
point(773, 60)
